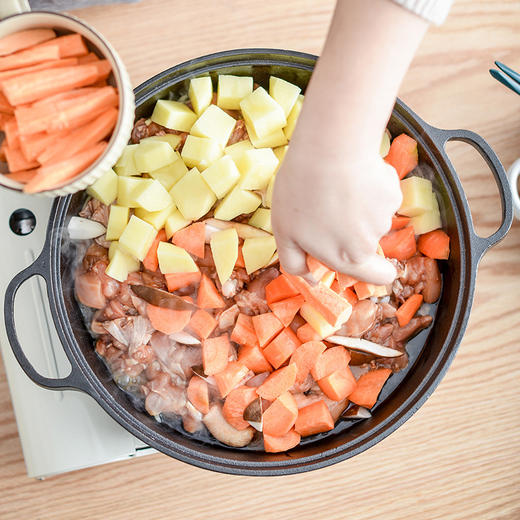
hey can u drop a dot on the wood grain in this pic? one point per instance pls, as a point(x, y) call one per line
point(459, 456)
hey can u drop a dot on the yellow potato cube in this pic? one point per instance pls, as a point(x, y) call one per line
point(128, 188)
point(200, 93)
point(125, 165)
point(429, 220)
point(117, 221)
point(152, 155)
point(280, 152)
point(153, 197)
point(277, 138)
point(192, 195)
point(156, 218)
point(284, 93)
point(174, 259)
point(132, 263)
point(236, 202)
point(417, 196)
point(258, 252)
point(236, 150)
point(200, 152)
point(174, 222)
point(261, 218)
point(385, 144)
point(317, 321)
point(215, 124)
point(221, 176)
point(170, 174)
point(105, 188)
point(268, 199)
point(224, 248)
point(172, 139)
point(233, 89)
point(292, 118)
point(256, 168)
point(262, 112)
point(118, 266)
point(173, 115)
point(137, 237)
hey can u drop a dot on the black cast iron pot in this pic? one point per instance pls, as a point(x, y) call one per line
point(431, 352)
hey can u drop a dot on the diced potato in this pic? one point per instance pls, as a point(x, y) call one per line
point(117, 221)
point(133, 264)
point(200, 93)
point(192, 196)
point(152, 155)
point(224, 248)
point(200, 152)
point(221, 176)
point(417, 196)
point(233, 89)
point(256, 168)
point(277, 138)
point(280, 152)
point(236, 202)
point(173, 115)
point(268, 199)
point(118, 266)
point(429, 220)
point(292, 118)
point(236, 150)
point(262, 112)
point(215, 124)
point(137, 238)
point(174, 259)
point(105, 188)
point(261, 218)
point(174, 222)
point(380, 291)
point(284, 93)
point(153, 197)
point(317, 321)
point(258, 252)
point(156, 218)
point(170, 174)
point(128, 188)
point(125, 165)
point(385, 144)
point(172, 139)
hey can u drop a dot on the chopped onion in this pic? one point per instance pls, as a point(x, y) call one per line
point(363, 345)
point(184, 338)
point(80, 228)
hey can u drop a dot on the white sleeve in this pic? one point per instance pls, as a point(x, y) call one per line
point(434, 11)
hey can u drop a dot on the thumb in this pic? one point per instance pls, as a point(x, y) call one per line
point(375, 269)
point(292, 258)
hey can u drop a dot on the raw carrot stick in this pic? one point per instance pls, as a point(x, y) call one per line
point(12, 133)
point(278, 382)
point(22, 176)
point(43, 83)
point(191, 238)
point(281, 415)
point(306, 333)
point(399, 222)
point(267, 326)
point(167, 321)
point(103, 67)
point(235, 404)
point(198, 394)
point(81, 138)
point(329, 361)
point(399, 244)
point(408, 309)
point(5, 106)
point(215, 354)
point(48, 177)
point(364, 290)
point(208, 297)
point(16, 160)
point(305, 357)
point(316, 268)
point(244, 332)
point(435, 244)
point(202, 323)
point(369, 386)
point(314, 418)
point(3, 146)
point(280, 289)
point(150, 261)
point(230, 377)
point(285, 310)
point(29, 57)
point(338, 385)
point(88, 58)
point(253, 358)
point(176, 281)
point(281, 348)
point(23, 39)
point(69, 45)
point(274, 444)
point(32, 145)
point(69, 62)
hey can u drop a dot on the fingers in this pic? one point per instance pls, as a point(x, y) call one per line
point(292, 258)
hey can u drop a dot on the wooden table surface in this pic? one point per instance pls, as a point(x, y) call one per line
point(458, 457)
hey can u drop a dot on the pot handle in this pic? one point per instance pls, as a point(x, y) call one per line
point(482, 244)
point(74, 381)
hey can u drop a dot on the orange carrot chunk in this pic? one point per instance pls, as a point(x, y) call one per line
point(5, 106)
point(285, 310)
point(278, 382)
point(12, 133)
point(274, 444)
point(230, 377)
point(6, 74)
point(244, 332)
point(316, 268)
point(435, 244)
point(305, 357)
point(208, 297)
point(345, 280)
point(399, 244)
point(314, 418)
point(407, 310)
point(22, 176)
point(198, 394)
point(338, 385)
point(281, 415)
point(279, 289)
point(69, 45)
point(191, 238)
point(369, 386)
point(151, 261)
point(253, 358)
point(29, 57)
point(23, 39)
point(306, 333)
point(176, 281)
point(202, 323)
point(403, 155)
point(267, 326)
point(281, 348)
point(364, 290)
point(332, 359)
point(235, 404)
point(240, 259)
point(16, 160)
point(215, 354)
point(399, 222)
point(167, 321)
point(346, 293)
point(88, 58)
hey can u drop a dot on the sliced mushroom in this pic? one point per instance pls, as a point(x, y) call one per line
point(243, 230)
point(228, 317)
point(224, 432)
point(356, 412)
point(336, 408)
point(364, 345)
point(198, 370)
point(253, 414)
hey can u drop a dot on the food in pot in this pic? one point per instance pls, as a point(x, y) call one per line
point(194, 314)
point(57, 111)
